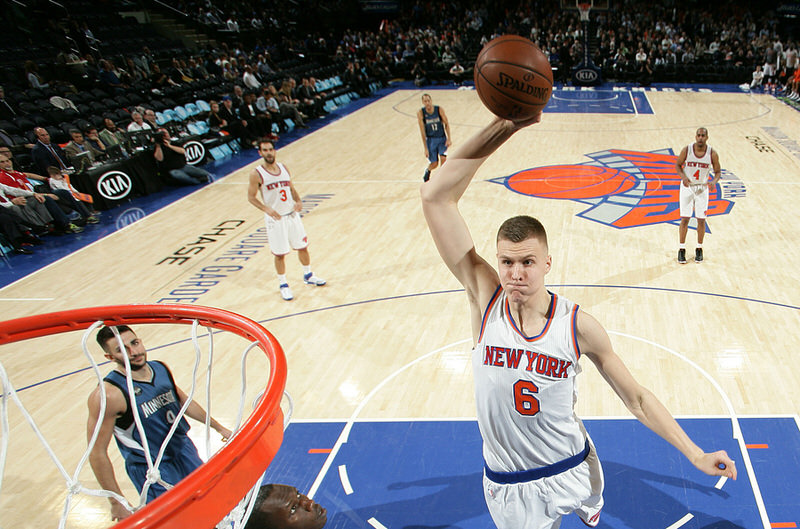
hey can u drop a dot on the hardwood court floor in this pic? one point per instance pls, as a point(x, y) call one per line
point(708, 338)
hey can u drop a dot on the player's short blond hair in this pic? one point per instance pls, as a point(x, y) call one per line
point(520, 228)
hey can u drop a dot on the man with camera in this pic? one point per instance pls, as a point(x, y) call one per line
point(172, 161)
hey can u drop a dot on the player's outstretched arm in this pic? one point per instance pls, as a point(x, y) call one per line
point(98, 457)
point(594, 343)
point(196, 412)
point(440, 197)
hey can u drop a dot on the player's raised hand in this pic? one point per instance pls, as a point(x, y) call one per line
point(716, 464)
point(536, 118)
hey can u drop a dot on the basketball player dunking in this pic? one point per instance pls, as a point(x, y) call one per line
point(435, 130)
point(693, 165)
point(539, 462)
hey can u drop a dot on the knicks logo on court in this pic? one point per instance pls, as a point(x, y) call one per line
point(621, 188)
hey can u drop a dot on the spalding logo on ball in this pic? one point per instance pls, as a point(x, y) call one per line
point(513, 77)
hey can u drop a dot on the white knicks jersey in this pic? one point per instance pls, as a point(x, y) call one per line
point(525, 388)
point(697, 169)
point(276, 189)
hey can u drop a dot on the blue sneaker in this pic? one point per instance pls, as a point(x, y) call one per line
point(311, 279)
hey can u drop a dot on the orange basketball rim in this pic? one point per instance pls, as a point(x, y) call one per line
point(207, 495)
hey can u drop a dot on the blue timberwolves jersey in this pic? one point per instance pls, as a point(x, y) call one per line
point(434, 128)
point(159, 405)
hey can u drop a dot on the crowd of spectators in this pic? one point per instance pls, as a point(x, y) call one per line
point(88, 99)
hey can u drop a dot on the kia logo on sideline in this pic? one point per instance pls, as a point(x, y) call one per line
point(195, 152)
point(586, 75)
point(114, 185)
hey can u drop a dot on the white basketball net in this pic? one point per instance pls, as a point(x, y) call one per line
point(236, 519)
point(584, 9)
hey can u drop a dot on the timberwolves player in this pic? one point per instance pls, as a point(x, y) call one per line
point(159, 400)
point(435, 130)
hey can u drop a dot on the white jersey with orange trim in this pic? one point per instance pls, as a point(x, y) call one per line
point(525, 388)
point(697, 168)
point(276, 189)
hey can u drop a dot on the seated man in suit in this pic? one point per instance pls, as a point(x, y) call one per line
point(258, 123)
point(45, 153)
point(80, 152)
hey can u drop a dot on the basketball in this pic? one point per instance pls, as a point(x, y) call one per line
point(513, 77)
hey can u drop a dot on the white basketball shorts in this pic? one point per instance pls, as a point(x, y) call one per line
point(286, 234)
point(694, 198)
point(540, 504)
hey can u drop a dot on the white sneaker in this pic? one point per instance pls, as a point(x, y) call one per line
point(311, 279)
point(286, 292)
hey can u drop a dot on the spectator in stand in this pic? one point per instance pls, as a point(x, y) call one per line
point(234, 125)
point(641, 57)
point(149, 117)
point(80, 153)
point(8, 110)
point(688, 56)
point(45, 153)
point(144, 60)
point(111, 135)
point(457, 73)
point(758, 78)
point(259, 124)
point(132, 73)
point(419, 74)
point(32, 75)
point(644, 72)
point(17, 232)
point(290, 89)
point(212, 66)
point(448, 58)
point(790, 58)
point(354, 77)
point(290, 110)
point(159, 79)
point(263, 66)
point(215, 121)
point(178, 74)
point(237, 98)
point(58, 181)
point(17, 187)
point(308, 96)
point(269, 104)
point(172, 162)
point(28, 211)
point(91, 70)
point(250, 80)
point(138, 124)
point(197, 69)
point(109, 79)
point(93, 140)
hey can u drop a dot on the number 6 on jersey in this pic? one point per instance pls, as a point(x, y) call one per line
point(524, 401)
